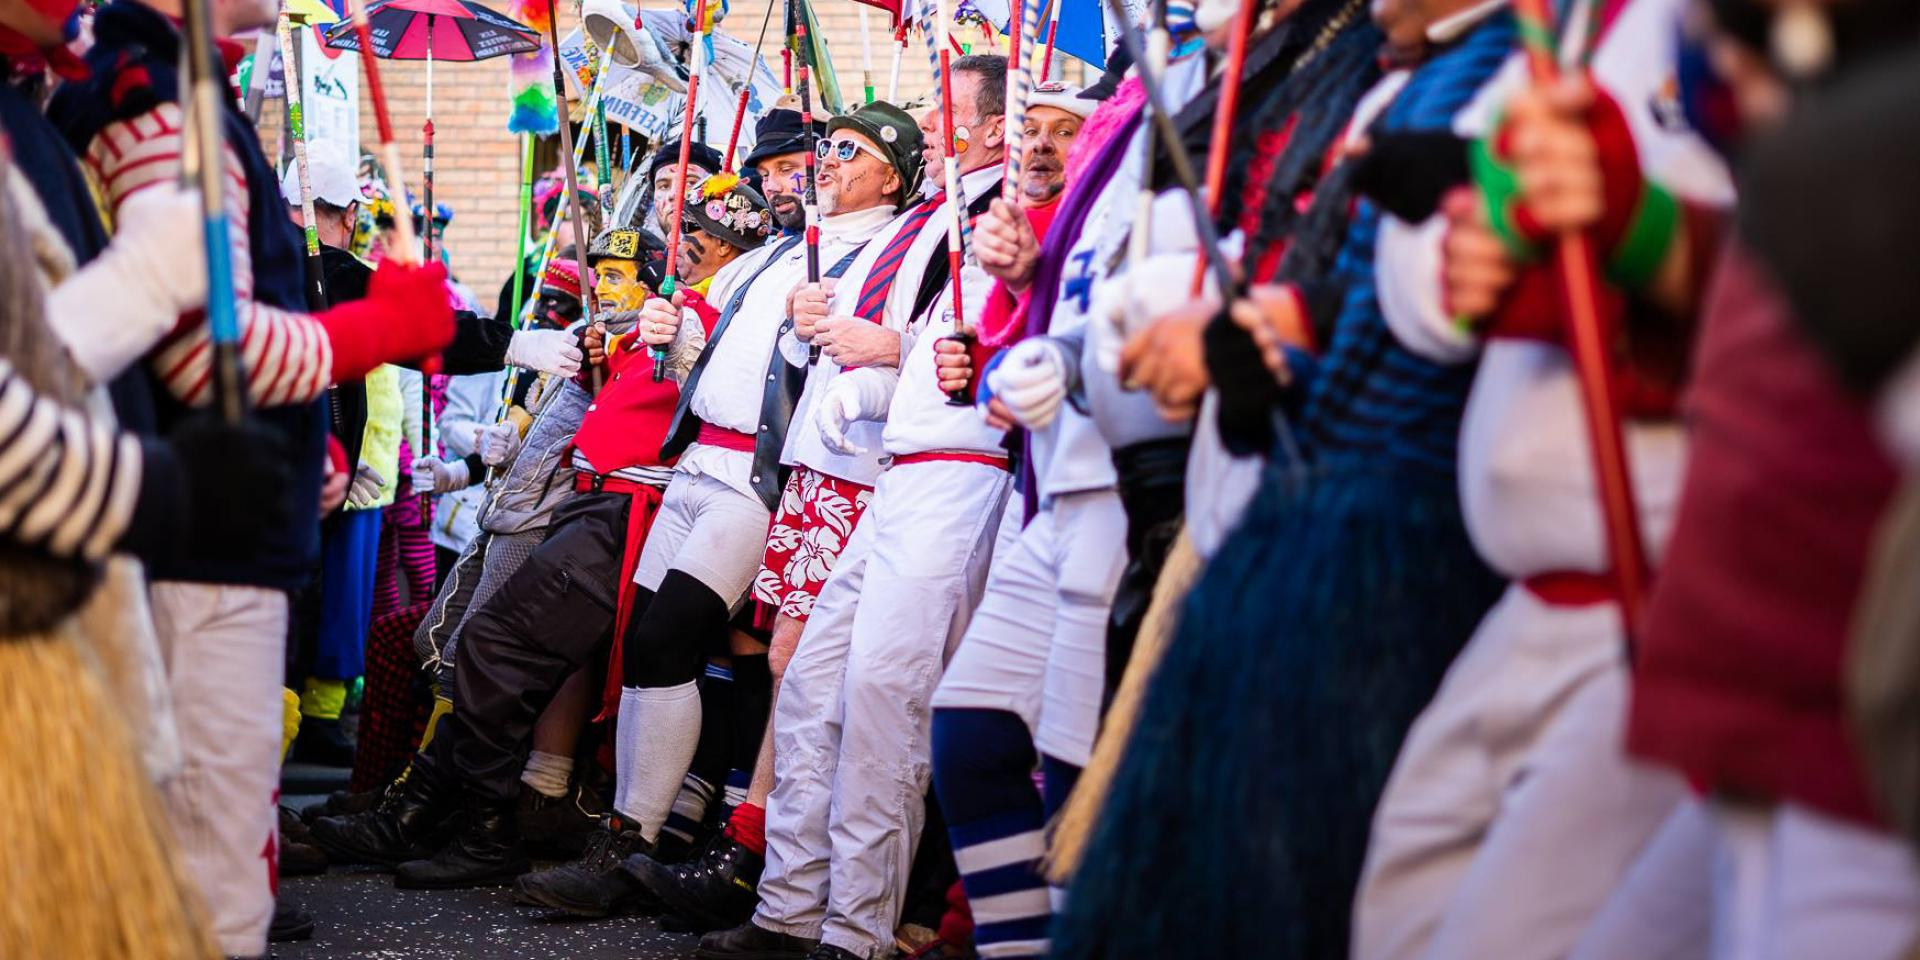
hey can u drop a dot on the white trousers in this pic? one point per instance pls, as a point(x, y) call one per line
point(1513, 810)
point(225, 654)
point(708, 530)
point(852, 757)
point(1736, 881)
point(1037, 646)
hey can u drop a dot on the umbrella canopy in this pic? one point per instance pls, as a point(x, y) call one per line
point(462, 30)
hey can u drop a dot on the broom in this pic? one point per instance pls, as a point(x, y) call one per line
point(1073, 827)
point(75, 888)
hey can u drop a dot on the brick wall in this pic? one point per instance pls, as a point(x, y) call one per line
point(477, 162)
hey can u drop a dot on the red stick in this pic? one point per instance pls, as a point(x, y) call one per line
point(679, 211)
point(739, 117)
point(1223, 125)
point(1046, 60)
point(1593, 360)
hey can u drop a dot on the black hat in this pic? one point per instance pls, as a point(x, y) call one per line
point(778, 132)
point(631, 243)
point(723, 206)
point(700, 155)
point(894, 132)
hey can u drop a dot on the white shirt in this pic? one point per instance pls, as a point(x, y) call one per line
point(1072, 454)
point(733, 383)
point(920, 420)
point(803, 440)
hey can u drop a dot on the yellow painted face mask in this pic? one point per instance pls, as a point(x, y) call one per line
point(617, 286)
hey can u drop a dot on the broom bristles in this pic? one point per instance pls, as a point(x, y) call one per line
point(1073, 827)
point(89, 870)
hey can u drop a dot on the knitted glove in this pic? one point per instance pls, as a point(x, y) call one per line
point(849, 399)
point(1638, 222)
point(498, 443)
point(555, 352)
point(364, 489)
point(436, 476)
point(1031, 382)
point(404, 317)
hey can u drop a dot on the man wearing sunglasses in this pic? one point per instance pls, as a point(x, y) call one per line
point(836, 871)
point(700, 558)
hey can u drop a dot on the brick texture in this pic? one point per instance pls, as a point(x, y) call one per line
point(477, 161)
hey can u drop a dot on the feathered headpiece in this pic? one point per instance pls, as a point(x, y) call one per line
point(530, 75)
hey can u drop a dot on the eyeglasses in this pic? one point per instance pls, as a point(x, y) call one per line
point(845, 150)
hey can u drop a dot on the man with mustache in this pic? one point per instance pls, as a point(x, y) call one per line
point(699, 560)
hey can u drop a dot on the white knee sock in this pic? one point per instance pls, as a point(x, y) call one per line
point(626, 734)
point(658, 762)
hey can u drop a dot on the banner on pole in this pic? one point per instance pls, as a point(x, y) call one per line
point(330, 98)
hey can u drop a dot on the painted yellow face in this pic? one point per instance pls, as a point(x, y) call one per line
point(617, 287)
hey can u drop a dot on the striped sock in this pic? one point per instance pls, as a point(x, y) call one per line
point(738, 782)
point(689, 809)
point(983, 762)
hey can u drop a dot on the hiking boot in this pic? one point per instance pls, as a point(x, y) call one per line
point(404, 826)
point(594, 885)
point(290, 923)
point(560, 828)
point(749, 941)
point(485, 854)
point(714, 891)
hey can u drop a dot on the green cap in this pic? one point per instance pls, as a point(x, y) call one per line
point(894, 132)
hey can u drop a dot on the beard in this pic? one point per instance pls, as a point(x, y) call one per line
point(787, 211)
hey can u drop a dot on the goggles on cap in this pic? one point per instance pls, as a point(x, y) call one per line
point(845, 150)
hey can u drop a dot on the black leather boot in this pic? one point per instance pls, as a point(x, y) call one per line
point(713, 891)
point(407, 824)
point(594, 885)
point(560, 828)
point(828, 951)
point(749, 941)
point(487, 853)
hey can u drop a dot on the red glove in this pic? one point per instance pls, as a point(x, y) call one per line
point(404, 317)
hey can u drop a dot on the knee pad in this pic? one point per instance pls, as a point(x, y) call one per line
point(983, 762)
point(668, 643)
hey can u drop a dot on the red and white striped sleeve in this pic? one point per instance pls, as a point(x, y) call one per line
point(286, 354)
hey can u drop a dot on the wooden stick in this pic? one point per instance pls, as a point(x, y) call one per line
point(1223, 114)
point(210, 146)
point(1592, 358)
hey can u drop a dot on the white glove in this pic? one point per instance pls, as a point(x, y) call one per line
point(113, 310)
point(1031, 382)
point(556, 352)
point(436, 476)
point(496, 444)
point(364, 489)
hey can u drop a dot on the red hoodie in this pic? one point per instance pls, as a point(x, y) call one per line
point(1739, 675)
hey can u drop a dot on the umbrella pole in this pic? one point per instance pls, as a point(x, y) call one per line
point(572, 185)
point(428, 256)
point(223, 323)
point(1593, 361)
point(404, 251)
point(866, 52)
point(297, 136)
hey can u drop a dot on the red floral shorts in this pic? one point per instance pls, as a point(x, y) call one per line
point(816, 518)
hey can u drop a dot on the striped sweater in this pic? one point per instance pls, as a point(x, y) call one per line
point(68, 482)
